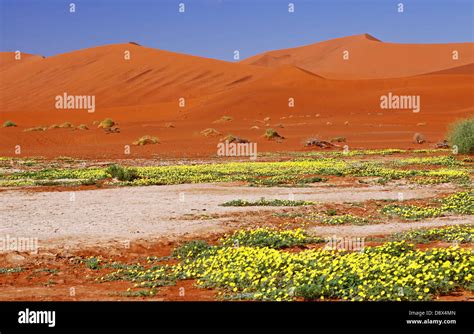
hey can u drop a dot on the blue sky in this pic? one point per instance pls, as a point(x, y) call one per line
point(215, 28)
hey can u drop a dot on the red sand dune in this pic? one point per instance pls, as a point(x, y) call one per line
point(142, 94)
point(8, 60)
point(150, 76)
point(369, 58)
point(464, 69)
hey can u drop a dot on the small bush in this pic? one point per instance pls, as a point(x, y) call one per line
point(121, 173)
point(66, 125)
point(145, 140)
point(92, 263)
point(338, 140)
point(234, 139)
point(461, 134)
point(191, 249)
point(9, 124)
point(272, 134)
point(331, 212)
point(418, 138)
point(223, 119)
point(106, 123)
point(210, 132)
point(37, 128)
point(269, 237)
point(83, 127)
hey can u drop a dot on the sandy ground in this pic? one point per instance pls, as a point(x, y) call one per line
point(91, 217)
point(143, 97)
point(389, 228)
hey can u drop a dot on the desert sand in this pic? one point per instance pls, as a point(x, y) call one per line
point(142, 95)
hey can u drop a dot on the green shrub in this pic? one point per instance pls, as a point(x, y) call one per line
point(191, 249)
point(92, 263)
point(269, 237)
point(272, 134)
point(8, 124)
point(331, 212)
point(145, 140)
point(461, 134)
point(121, 173)
point(106, 123)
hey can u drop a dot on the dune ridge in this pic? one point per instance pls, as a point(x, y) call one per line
point(369, 58)
point(142, 95)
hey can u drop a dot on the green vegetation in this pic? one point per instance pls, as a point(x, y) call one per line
point(456, 233)
point(93, 263)
point(11, 270)
point(251, 265)
point(145, 140)
point(265, 202)
point(284, 180)
point(462, 202)
point(269, 237)
point(448, 160)
point(344, 219)
point(106, 123)
point(191, 249)
point(121, 173)
point(280, 173)
point(461, 134)
point(411, 211)
point(9, 124)
point(271, 134)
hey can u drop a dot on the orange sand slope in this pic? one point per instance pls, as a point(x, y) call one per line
point(142, 96)
point(368, 58)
